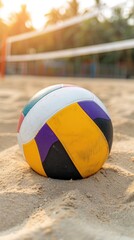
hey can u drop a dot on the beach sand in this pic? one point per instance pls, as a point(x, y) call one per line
point(100, 207)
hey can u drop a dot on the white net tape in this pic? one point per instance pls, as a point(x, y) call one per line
point(73, 52)
point(100, 48)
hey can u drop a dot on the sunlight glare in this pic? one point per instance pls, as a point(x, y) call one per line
point(37, 9)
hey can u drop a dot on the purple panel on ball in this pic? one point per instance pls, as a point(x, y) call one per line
point(44, 139)
point(93, 110)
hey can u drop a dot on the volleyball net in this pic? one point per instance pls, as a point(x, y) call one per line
point(65, 62)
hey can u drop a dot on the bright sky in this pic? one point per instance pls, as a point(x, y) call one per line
point(38, 8)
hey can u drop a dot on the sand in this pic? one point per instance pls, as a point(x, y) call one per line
point(100, 207)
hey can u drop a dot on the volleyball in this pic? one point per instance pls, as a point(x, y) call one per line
point(65, 132)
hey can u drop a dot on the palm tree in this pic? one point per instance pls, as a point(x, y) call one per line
point(20, 22)
point(1, 4)
point(53, 16)
point(98, 3)
point(3, 26)
point(72, 10)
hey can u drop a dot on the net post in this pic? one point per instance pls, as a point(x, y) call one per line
point(3, 58)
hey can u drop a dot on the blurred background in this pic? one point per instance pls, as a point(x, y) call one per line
point(29, 30)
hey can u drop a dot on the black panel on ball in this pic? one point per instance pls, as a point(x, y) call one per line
point(106, 128)
point(59, 165)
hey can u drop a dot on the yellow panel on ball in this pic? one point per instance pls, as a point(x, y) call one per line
point(81, 137)
point(32, 156)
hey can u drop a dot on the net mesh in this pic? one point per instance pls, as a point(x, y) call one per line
point(58, 61)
